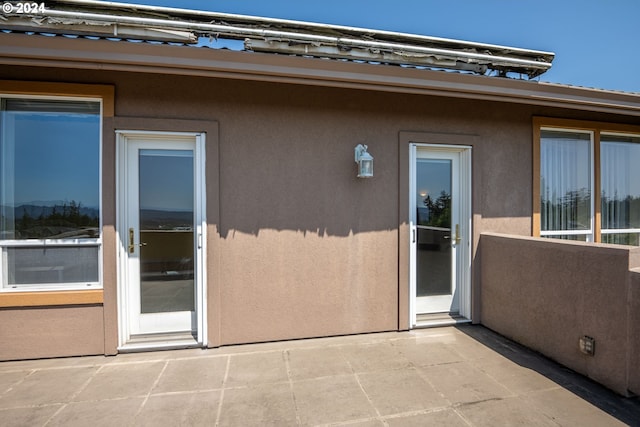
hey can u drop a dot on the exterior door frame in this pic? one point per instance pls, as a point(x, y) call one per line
point(463, 257)
point(125, 342)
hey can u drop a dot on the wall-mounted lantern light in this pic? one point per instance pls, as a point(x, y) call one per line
point(364, 161)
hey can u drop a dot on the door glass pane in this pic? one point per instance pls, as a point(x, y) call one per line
point(620, 180)
point(565, 180)
point(166, 231)
point(434, 257)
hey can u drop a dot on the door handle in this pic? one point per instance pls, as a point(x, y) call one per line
point(457, 237)
point(132, 245)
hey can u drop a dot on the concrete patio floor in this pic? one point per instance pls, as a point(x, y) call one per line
point(457, 376)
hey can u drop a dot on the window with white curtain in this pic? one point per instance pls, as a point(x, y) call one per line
point(570, 174)
point(620, 188)
point(566, 184)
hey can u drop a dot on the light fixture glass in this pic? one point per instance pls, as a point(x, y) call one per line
point(364, 161)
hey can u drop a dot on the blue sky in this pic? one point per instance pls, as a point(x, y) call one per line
point(44, 172)
point(166, 180)
point(596, 41)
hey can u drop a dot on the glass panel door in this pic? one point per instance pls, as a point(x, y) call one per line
point(434, 227)
point(161, 240)
point(166, 231)
point(437, 231)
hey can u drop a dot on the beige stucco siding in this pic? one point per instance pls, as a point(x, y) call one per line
point(298, 246)
point(547, 294)
point(38, 332)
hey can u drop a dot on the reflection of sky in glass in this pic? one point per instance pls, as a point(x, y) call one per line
point(166, 180)
point(56, 157)
point(433, 177)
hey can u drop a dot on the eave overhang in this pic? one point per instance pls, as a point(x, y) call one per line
point(80, 53)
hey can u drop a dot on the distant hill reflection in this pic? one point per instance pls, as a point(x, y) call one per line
point(50, 221)
point(152, 219)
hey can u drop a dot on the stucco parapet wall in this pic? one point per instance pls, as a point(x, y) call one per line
point(604, 248)
point(79, 53)
point(634, 331)
point(548, 293)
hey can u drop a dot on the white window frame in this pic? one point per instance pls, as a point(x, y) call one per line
point(590, 234)
point(609, 231)
point(40, 243)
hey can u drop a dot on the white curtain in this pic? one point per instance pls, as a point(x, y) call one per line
point(565, 181)
point(620, 183)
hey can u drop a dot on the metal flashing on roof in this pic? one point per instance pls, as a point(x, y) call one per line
point(110, 19)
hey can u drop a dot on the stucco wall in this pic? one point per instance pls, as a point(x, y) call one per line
point(634, 331)
point(298, 246)
point(304, 247)
point(546, 294)
point(51, 332)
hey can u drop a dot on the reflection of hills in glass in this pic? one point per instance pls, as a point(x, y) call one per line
point(155, 219)
point(46, 220)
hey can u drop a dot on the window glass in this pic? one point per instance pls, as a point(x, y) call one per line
point(620, 182)
point(49, 167)
point(575, 237)
point(565, 186)
point(43, 265)
point(632, 239)
point(49, 193)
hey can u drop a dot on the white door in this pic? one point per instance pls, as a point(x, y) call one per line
point(440, 226)
point(161, 226)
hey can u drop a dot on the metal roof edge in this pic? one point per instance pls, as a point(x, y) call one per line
point(560, 86)
point(293, 24)
point(109, 19)
point(79, 53)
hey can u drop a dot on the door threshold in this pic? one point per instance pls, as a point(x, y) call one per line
point(434, 320)
point(172, 341)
